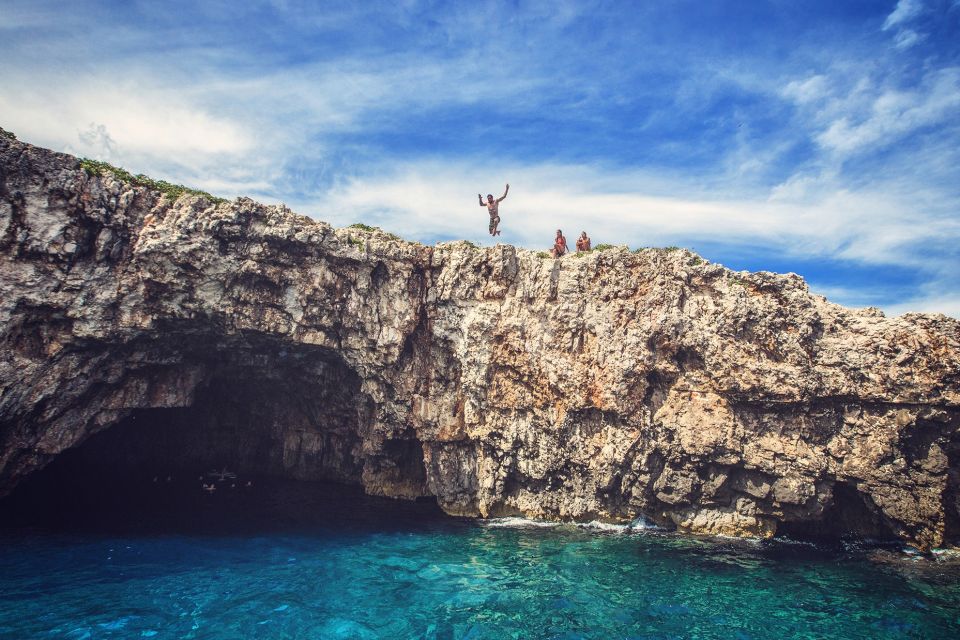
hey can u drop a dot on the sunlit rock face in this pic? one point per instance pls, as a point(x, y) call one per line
point(605, 386)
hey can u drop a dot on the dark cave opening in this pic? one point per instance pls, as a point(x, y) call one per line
point(254, 427)
point(282, 426)
point(850, 516)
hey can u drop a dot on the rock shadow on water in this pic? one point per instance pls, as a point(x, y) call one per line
point(69, 496)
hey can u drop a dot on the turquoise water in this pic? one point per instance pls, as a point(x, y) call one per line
point(315, 561)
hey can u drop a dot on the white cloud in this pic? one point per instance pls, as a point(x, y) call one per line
point(805, 91)
point(141, 124)
point(935, 297)
point(440, 199)
point(869, 115)
point(946, 303)
point(337, 97)
point(150, 117)
point(906, 38)
point(854, 297)
point(135, 117)
point(801, 186)
point(99, 141)
point(905, 11)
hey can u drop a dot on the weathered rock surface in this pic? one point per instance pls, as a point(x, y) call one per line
point(609, 385)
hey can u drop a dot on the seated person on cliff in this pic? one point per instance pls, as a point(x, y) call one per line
point(493, 206)
point(559, 245)
point(583, 242)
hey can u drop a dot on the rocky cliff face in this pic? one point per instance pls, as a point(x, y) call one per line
point(605, 386)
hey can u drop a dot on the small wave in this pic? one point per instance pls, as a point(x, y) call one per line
point(638, 525)
point(951, 555)
point(514, 522)
point(642, 524)
point(787, 541)
point(597, 525)
point(912, 553)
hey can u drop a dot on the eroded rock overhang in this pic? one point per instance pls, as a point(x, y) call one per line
point(609, 385)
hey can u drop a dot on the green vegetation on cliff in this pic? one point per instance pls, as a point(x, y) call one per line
point(371, 229)
point(170, 190)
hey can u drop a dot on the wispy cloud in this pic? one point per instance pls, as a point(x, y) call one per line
point(935, 302)
point(906, 38)
point(905, 12)
point(890, 114)
point(432, 200)
point(812, 89)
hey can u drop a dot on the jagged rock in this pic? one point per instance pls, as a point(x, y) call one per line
point(608, 385)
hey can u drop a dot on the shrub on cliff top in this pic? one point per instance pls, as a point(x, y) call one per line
point(367, 227)
point(7, 134)
point(172, 191)
point(669, 249)
point(363, 227)
point(600, 247)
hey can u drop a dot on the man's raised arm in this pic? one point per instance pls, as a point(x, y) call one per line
point(506, 191)
point(480, 198)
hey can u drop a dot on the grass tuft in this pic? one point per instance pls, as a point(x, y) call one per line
point(7, 134)
point(168, 189)
point(363, 227)
point(371, 229)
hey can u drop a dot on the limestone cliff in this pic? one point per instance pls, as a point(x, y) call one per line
point(610, 385)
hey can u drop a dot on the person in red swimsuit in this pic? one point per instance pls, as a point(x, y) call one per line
point(559, 245)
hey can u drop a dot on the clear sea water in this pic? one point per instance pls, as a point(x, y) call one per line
point(295, 560)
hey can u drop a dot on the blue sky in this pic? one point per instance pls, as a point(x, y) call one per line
point(821, 138)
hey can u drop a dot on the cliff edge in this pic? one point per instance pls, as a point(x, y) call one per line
point(611, 385)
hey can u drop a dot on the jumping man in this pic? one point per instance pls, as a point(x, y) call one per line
point(493, 206)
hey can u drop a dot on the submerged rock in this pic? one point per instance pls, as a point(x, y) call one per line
point(607, 386)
